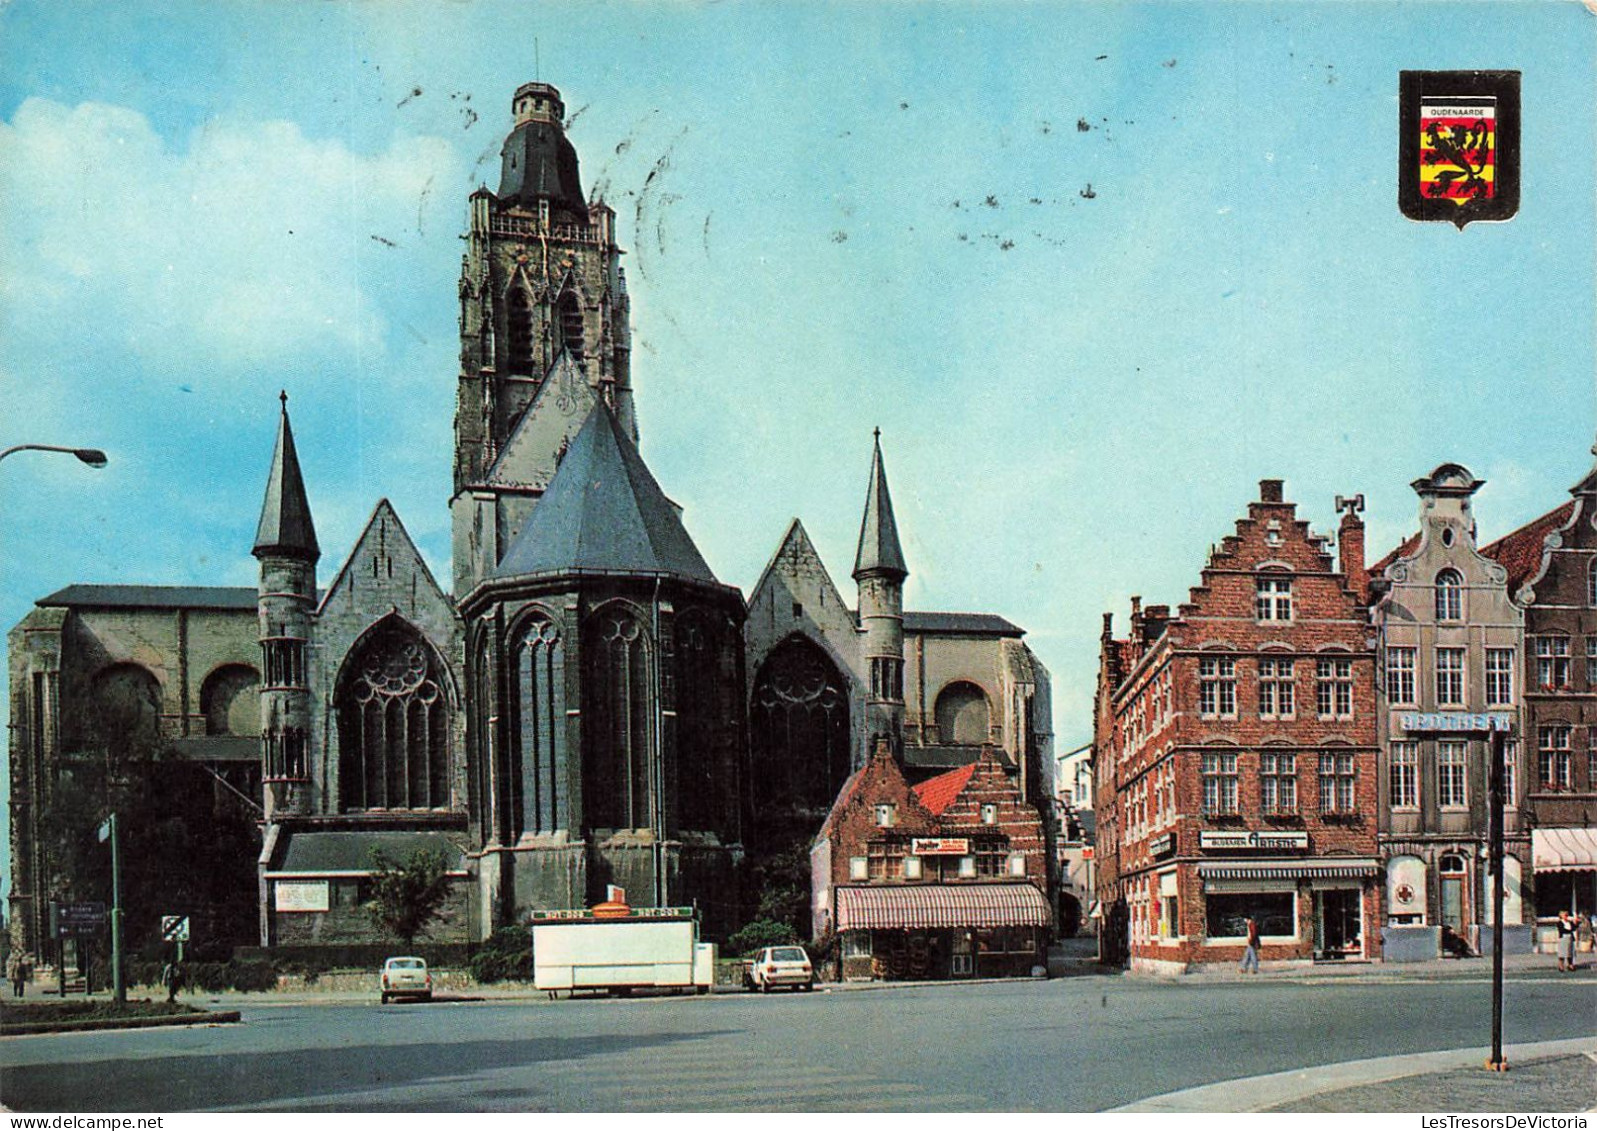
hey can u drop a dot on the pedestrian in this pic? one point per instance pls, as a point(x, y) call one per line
point(172, 979)
point(1566, 940)
point(1250, 954)
point(19, 976)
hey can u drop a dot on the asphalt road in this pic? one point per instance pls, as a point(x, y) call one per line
point(1077, 1044)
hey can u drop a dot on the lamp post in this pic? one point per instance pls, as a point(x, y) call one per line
point(94, 457)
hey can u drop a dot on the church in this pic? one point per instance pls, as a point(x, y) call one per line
point(586, 704)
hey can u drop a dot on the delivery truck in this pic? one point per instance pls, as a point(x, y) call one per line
point(613, 948)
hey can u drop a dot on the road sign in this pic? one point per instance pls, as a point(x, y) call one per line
point(76, 918)
point(174, 928)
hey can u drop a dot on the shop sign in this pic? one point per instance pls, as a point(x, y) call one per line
point(1162, 845)
point(1253, 839)
point(940, 846)
point(1455, 721)
point(301, 895)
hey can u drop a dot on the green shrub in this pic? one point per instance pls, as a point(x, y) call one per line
point(760, 933)
point(507, 956)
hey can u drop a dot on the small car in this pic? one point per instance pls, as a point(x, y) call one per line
point(781, 966)
point(406, 977)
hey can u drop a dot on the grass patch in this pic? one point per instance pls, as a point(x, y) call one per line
point(25, 1015)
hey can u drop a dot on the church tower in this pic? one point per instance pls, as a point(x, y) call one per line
point(880, 571)
point(543, 333)
point(285, 545)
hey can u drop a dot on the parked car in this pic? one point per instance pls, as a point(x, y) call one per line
point(780, 966)
point(406, 977)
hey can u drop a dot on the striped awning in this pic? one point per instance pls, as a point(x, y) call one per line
point(1351, 869)
point(915, 906)
point(1564, 850)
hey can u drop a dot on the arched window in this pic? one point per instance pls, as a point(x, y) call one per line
point(518, 326)
point(485, 746)
point(962, 715)
point(538, 728)
point(702, 708)
point(799, 728)
point(124, 717)
point(231, 702)
point(570, 324)
point(1449, 595)
point(617, 777)
point(393, 724)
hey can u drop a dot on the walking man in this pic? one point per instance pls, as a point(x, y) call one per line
point(1250, 955)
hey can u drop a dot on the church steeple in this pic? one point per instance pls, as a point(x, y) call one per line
point(879, 552)
point(285, 528)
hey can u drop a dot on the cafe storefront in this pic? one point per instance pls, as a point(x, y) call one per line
point(940, 931)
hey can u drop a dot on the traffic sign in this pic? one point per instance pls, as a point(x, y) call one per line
point(174, 928)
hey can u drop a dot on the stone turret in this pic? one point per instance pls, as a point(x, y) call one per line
point(880, 571)
point(285, 545)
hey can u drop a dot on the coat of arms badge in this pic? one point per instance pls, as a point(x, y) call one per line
point(1459, 147)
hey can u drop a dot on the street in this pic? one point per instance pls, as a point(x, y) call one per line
point(1076, 1044)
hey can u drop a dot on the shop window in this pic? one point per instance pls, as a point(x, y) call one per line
point(1226, 914)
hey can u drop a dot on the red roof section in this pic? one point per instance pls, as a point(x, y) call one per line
point(938, 793)
point(1403, 550)
point(1521, 552)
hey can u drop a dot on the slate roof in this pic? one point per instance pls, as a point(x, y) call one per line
point(879, 551)
point(960, 624)
point(152, 597)
point(938, 793)
point(604, 513)
point(328, 852)
point(285, 526)
point(537, 162)
point(1521, 552)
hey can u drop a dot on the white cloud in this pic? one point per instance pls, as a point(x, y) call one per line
point(242, 250)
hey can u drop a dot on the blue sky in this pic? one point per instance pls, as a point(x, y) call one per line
point(866, 214)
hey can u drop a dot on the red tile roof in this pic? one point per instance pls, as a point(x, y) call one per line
point(1521, 552)
point(1403, 550)
point(938, 793)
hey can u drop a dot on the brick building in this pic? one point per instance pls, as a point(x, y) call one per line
point(944, 879)
point(1450, 635)
point(1235, 756)
point(1552, 571)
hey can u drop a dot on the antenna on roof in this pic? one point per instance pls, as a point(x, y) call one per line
point(535, 75)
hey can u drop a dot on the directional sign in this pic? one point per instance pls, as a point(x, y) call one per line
point(174, 928)
point(76, 918)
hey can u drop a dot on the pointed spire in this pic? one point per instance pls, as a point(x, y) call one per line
point(286, 527)
point(879, 551)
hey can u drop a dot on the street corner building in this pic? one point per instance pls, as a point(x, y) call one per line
point(1235, 756)
point(587, 704)
point(943, 879)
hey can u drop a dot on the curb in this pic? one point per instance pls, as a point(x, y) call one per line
point(1259, 1093)
point(226, 1017)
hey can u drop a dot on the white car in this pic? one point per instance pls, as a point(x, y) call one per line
point(406, 977)
point(781, 966)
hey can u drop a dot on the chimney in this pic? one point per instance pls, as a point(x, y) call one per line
point(1154, 621)
point(1350, 547)
point(1136, 623)
point(1270, 490)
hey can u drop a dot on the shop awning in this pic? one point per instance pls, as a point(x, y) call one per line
point(1564, 850)
point(1349, 869)
point(941, 905)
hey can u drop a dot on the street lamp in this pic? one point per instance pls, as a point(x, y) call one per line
point(94, 457)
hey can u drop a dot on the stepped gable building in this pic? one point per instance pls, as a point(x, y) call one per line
point(1552, 572)
point(572, 713)
point(1449, 636)
point(1235, 756)
point(827, 682)
point(944, 879)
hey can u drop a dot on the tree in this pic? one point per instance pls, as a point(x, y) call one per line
point(408, 895)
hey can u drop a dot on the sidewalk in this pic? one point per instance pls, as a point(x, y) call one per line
point(1548, 1076)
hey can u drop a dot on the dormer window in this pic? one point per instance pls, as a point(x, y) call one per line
point(1273, 598)
point(1449, 595)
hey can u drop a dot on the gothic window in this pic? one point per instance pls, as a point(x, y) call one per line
point(393, 724)
point(539, 729)
point(703, 675)
point(617, 770)
point(231, 701)
point(484, 743)
point(800, 729)
point(518, 325)
point(570, 325)
point(962, 715)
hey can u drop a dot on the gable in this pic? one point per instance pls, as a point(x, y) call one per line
point(558, 409)
point(795, 594)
